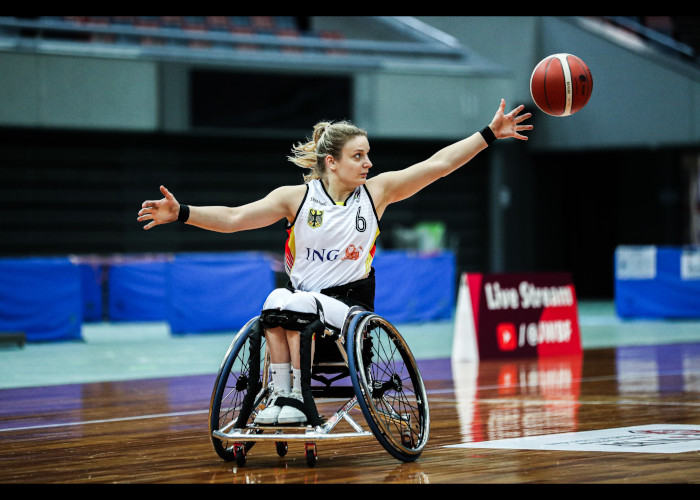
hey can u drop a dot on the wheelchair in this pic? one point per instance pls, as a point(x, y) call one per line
point(365, 364)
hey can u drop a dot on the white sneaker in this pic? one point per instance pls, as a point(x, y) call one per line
point(291, 415)
point(271, 411)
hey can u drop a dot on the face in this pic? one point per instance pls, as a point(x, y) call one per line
point(353, 165)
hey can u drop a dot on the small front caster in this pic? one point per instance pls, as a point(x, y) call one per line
point(311, 456)
point(282, 448)
point(239, 454)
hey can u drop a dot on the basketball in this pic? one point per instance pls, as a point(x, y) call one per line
point(561, 84)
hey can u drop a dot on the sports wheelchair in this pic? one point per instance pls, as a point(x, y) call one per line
point(384, 382)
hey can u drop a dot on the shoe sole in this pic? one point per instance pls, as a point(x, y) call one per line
point(299, 419)
point(265, 422)
point(287, 421)
point(262, 420)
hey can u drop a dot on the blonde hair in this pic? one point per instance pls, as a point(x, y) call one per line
point(328, 138)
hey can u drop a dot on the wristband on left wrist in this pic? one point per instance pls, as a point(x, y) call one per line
point(184, 213)
point(488, 135)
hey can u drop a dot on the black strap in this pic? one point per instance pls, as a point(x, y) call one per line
point(488, 135)
point(184, 213)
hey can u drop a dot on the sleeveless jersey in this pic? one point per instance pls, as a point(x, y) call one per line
point(329, 244)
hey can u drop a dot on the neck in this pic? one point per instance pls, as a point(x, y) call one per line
point(338, 193)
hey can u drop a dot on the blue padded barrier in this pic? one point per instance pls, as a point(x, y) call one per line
point(137, 291)
point(91, 281)
point(216, 292)
point(41, 297)
point(415, 287)
point(49, 298)
point(657, 282)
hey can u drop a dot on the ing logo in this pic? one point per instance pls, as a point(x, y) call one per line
point(352, 253)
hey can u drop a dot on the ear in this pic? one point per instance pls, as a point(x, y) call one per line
point(330, 162)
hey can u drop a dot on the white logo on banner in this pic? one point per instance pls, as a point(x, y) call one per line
point(657, 438)
point(690, 265)
point(635, 263)
point(527, 296)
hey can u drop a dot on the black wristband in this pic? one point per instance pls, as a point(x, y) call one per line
point(488, 135)
point(184, 213)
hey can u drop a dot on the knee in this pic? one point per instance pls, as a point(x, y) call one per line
point(291, 311)
point(277, 299)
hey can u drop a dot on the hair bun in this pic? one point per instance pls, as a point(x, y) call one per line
point(319, 129)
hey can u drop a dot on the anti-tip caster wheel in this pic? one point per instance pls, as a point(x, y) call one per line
point(311, 456)
point(239, 454)
point(282, 448)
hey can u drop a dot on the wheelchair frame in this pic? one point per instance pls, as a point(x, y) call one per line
point(391, 394)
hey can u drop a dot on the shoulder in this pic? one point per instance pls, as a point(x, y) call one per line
point(289, 194)
point(287, 191)
point(379, 189)
point(290, 197)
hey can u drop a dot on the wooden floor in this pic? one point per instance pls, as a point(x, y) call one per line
point(155, 431)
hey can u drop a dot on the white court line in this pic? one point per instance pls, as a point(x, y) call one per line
point(106, 421)
point(475, 400)
point(430, 392)
point(567, 402)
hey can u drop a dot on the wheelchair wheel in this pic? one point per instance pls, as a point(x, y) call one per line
point(237, 391)
point(388, 386)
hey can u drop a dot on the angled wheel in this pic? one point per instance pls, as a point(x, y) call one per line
point(388, 386)
point(282, 448)
point(239, 452)
point(238, 389)
point(311, 454)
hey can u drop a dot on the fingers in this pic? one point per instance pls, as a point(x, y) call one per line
point(157, 203)
point(166, 193)
point(517, 111)
point(146, 212)
point(143, 216)
point(516, 118)
point(148, 206)
point(521, 128)
point(149, 225)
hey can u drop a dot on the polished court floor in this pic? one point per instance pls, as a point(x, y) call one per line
point(130, 405)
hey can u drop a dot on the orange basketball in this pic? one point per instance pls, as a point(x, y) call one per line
point(561, 84)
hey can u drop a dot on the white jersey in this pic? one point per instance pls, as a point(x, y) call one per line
point(331, 244)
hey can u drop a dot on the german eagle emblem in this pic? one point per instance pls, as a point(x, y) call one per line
point(315, 218)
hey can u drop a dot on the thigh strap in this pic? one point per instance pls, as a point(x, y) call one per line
point(306, 339)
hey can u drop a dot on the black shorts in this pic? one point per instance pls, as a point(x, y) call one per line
point(356, 293)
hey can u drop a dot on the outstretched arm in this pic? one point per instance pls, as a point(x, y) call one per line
point(280, 203)
point(390, 187)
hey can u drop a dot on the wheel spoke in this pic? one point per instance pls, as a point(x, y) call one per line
point(395, 403)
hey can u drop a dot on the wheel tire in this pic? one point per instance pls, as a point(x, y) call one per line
point(388, 386)
point(239, 374)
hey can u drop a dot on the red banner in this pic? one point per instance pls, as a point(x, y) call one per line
point(516, 316)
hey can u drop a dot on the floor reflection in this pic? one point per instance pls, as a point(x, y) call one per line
point(665, 369)
point(498, 400)
point(506, 399)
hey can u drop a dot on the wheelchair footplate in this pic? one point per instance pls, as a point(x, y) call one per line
point(280, 434)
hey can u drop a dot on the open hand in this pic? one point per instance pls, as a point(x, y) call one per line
point(508, 125)
point(160, 211)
